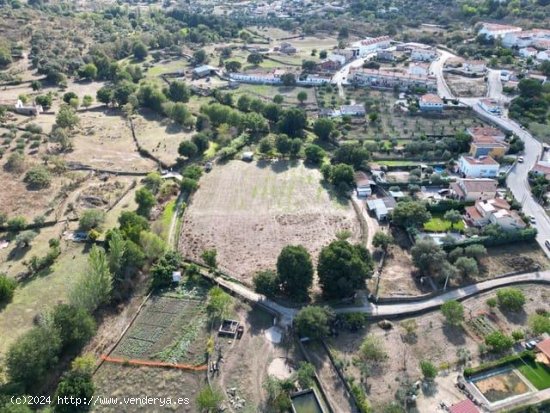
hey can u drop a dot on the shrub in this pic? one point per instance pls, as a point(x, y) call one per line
point(266, 283)
point(499, 341)
point(38, 177)
point(510, 298)
point(91, 219)
point(7, 288)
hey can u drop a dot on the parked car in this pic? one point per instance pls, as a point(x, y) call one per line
point(532, 219)
point(530, 345)
point(520, 159)
point(547, 243)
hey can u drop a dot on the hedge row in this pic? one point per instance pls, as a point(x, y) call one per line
point(505, 237)
point(471, 371)
point(447, 204)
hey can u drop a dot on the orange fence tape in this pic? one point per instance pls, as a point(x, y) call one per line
point(149, 363)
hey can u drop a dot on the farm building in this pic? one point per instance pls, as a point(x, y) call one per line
point(381, 207)
point(363, 184)
point(203, 71)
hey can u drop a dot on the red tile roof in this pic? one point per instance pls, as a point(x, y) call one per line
point(544, 347)
point(431, 98)
point(465, 406)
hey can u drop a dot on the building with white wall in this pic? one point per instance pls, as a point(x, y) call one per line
point(482, 167)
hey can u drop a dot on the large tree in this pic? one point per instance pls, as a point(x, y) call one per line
point(427, 256)
point(343, 268)
point(313, 322)
point(453, 311)
point(295, 271)
point(410, 214)
point(323, 127)
point(292, 122)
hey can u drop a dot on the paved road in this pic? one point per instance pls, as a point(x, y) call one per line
point(340, 78)
point(436, 69)
point(390, 310)
point(399, 309)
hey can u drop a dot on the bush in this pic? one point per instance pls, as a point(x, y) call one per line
point(7, 288)
point(91, 219)
point(429, 371)
point(313, 322)
point(511, 299)
point(75, 326)
point(266, 283)
point(499, 341)
point(38, 177)
point(17, 223)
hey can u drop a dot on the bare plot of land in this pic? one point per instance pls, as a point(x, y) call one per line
point(466, 86)
point(514, 257)
point(249, 212)
point(118, 381)
point(290, 94)
point(432, 340)
point(105, 142)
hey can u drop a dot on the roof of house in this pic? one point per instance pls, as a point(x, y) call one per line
point(465, 406)
point(479, 185)
point(544, 347)
point(473, 212)
point(361, 179)
point(542, 168)
point(352, 108)
point(496, 26)
point(485, 131)
point(374, 40)
point(431, 98)
point(489, 102)
point(482, 160)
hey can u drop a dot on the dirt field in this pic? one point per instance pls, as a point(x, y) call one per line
point(247, 377)
point(106, 142)
point(466, 86)
point(433, 341)
point(114, 380)
point(249, 212)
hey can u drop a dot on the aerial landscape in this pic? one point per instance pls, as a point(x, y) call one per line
point(279, 206)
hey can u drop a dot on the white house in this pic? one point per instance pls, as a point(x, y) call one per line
point(474, 66)
point(33, 110)
point(257, 78)
point(528, 52)
point(430, 103)
point(493, 31)
point(362, 184)
point(313, 80)
point(544, 55)
point(423, 55)
point(370, 45)
point(419, 69)
point(338, 58)
point(493, 211)
point(525, 38)
point(490, 105)
point(468, 189)
point(482, 167)
point(352, 110)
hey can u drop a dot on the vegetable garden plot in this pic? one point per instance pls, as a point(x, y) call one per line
point(168, 329)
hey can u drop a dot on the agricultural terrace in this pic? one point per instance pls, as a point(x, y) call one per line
point(250, 211)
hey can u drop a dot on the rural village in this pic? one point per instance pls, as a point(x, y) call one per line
point(275, 206)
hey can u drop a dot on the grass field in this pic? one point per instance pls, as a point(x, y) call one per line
point(537, 373)
point(40, 293)
point(439, 224)
point(268, 92)
point(270, 205)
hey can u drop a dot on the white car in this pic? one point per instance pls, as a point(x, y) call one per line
point(532, 219)
point(520, 159)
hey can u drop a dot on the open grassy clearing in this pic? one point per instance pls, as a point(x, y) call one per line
point(159, 135)
point(115, 380)
point(268, 92)
point(40, 292)
point(439, 224)
point(105, 142)
point(270, 205)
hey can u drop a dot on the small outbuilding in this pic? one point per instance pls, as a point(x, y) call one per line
point(203, 71)
point(465, 406)
point(362, 184)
